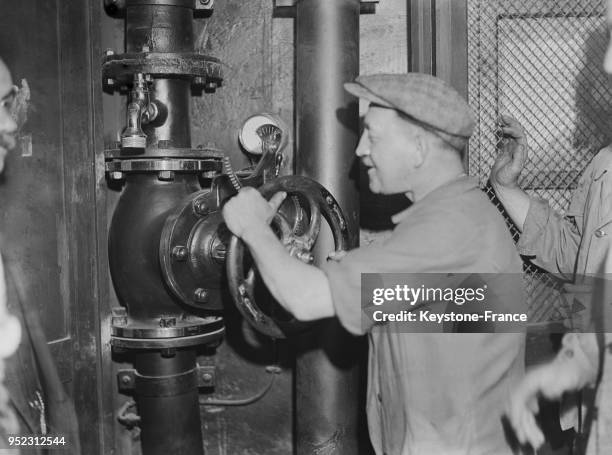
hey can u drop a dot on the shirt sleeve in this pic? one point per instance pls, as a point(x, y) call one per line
point(552, 240)
point(427, 243)
point(549, 239)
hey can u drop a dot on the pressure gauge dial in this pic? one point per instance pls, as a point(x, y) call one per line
point(250, 134)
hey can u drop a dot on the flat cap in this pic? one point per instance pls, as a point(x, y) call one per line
point(426, 99)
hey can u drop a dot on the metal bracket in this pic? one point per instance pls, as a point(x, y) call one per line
point(126, 380)
point(207, 376)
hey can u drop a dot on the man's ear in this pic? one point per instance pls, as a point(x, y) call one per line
point(421, 150)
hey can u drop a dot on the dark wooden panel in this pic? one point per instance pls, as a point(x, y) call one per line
point(422, 33)
point(48, 192)
point(61, 350)
point(451, 43)
point(80, 191)
point(33, 221)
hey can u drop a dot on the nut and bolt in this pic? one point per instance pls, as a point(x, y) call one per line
point(201, 208)
point(210, 86)
point(119, 311)
point(109, 52)
point(126, 379)
point(119, 321)
point(219, 252)
point(116, 175)
point(209, 174)
point(207, 377)
point(167, 322)
point(199, 80)
point(201, 295)
point(165, 175)
point(119, 316)
point(179, 253)
point(110, 81)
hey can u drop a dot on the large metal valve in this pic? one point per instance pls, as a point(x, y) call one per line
point(297, 224)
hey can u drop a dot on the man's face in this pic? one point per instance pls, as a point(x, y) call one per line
point(388, 149)
point(7, 123)
point(10, 330)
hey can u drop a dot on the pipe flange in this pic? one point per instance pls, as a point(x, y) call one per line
point(180, 3)
point(164, 167)
point(168, 343)
point(119, 69)
point(192, 250)
point(165, 328)
point(115, 7)
point(204, 153)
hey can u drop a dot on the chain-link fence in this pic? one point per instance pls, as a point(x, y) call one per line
point(541, 62)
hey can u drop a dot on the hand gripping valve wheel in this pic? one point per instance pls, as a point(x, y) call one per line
point(195, 243)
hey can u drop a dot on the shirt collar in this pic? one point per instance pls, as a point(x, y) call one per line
point(459, 185)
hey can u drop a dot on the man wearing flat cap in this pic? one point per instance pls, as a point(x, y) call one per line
point(428, 393)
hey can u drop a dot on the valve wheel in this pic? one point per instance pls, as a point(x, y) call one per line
point(297, 224)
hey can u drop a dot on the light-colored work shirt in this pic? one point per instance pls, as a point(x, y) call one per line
point(575, 247)
point(436, 393)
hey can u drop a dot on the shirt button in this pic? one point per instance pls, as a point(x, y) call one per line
point(600, 233)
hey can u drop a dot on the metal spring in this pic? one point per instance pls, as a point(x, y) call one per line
point(229, 171)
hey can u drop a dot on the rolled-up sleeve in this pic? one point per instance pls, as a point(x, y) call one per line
point(423, 245)
point(346, 296)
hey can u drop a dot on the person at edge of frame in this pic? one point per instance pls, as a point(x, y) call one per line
point(33, 401)
point(10, 328)
point(577, 248)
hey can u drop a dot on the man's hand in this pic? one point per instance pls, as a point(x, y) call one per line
point(248, 212)
point(550, 381)
point(513, 156)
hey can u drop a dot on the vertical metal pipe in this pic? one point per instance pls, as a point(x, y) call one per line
point(167, 398)
point(164, 28)
point(327, 55)
point(327, 117)
point(165, 387)
point(175, 132)
point(158, 28)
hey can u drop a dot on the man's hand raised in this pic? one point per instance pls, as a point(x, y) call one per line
point(513, 155)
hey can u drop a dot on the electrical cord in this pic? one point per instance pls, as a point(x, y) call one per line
point(272, 369)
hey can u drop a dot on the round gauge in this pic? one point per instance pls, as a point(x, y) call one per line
point(249, 139)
